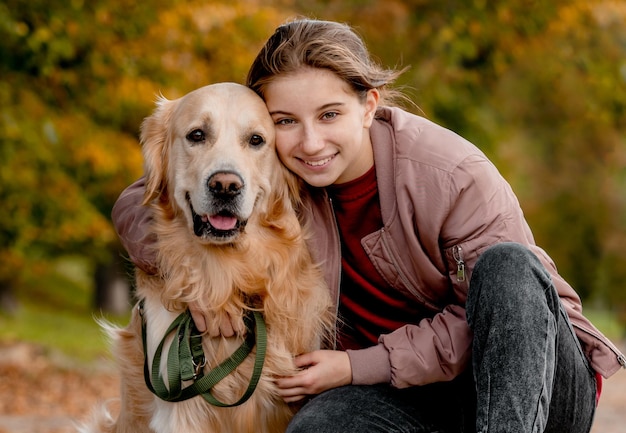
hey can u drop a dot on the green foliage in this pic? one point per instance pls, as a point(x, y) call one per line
point(539, 86)
point(78, 79)
point(568, 115)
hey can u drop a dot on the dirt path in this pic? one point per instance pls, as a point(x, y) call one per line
point(611, 413)
point(43, 395)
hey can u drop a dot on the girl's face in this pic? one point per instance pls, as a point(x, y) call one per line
point(322, 126)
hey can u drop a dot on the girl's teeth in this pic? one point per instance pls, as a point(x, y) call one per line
point(317, 163)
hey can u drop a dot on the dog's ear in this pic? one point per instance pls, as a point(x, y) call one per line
point(286, 191)
point(155, 134)
point(294, 186)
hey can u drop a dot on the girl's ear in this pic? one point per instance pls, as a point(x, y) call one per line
point(155, 136)
point(371, 104)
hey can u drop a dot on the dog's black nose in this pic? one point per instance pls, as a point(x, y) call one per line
point(225, 184)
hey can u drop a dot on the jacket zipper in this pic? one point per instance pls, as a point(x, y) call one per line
point(457, 254)
point(338, 295)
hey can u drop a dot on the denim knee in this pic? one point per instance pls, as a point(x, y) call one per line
point(506, 274)
point(505, 258)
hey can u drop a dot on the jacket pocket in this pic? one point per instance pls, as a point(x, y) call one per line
point(411, 272)
point(461, 259)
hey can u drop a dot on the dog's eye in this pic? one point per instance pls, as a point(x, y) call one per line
point(196, 136)
point(256, 140)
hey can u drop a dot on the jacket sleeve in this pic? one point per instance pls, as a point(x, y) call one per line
point(440, 348)
point(132, 223)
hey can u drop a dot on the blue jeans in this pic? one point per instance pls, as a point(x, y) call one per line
point(529, 371)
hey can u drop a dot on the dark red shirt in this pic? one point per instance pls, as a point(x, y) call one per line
point(368, 306)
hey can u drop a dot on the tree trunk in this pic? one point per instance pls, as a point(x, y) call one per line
point(8, 301)
point(113, 285)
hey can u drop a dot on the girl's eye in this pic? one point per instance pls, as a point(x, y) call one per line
point(329, 115)
point(284, 122)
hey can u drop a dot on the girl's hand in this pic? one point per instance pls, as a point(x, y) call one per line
point(321, 370)
point(222, 326)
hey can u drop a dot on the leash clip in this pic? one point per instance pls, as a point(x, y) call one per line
point(197, 368)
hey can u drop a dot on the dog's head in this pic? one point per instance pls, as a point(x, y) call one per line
point(210, 156)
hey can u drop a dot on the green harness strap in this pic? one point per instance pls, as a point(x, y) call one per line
point(185, 360)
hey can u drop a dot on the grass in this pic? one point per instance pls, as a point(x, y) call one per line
point(56, 312)
point(606, 322)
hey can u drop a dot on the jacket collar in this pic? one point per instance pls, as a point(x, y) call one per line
point(384, 146)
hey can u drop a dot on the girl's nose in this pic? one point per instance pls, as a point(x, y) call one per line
point(312, 141)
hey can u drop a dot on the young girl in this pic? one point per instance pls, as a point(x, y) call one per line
point(450, 318)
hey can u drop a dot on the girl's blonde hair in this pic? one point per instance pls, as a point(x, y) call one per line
point(326, 45)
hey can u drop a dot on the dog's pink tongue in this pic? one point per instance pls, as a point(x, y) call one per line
point(223, 222)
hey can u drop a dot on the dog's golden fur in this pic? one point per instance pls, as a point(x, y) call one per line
point(227, 246)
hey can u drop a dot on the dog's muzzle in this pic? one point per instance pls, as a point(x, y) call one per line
point(224, 190)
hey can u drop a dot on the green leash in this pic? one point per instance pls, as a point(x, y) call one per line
point(185, 360)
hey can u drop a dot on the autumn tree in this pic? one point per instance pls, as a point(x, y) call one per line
point(565, 144)
point(77, 80)
point(539, 86)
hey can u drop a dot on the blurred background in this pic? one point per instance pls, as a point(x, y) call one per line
point(539, 86)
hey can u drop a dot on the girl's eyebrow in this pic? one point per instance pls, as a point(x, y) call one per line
point(331, 105)
point(279, 112)
point(322, 108)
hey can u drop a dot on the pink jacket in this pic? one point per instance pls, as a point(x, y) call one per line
point(443, 203)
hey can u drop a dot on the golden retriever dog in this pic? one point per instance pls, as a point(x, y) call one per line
point(229, 243)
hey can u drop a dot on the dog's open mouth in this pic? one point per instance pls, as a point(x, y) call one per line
point(223, 224)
